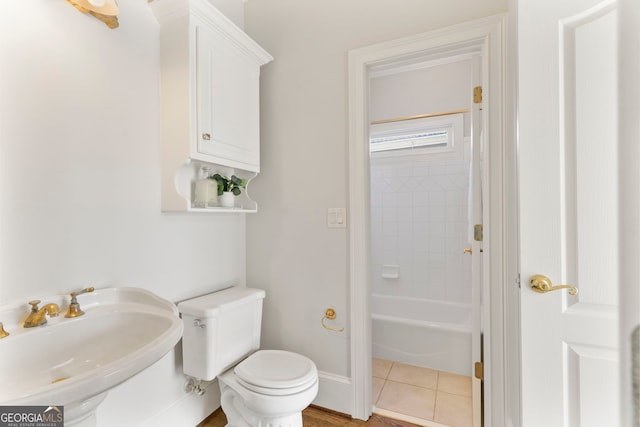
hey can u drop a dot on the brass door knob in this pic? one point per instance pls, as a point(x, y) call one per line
point(543, 284)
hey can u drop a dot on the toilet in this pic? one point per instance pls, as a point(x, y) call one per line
point(258, 388)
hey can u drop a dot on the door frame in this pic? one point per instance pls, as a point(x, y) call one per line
point(500, 282)
point(629, 207)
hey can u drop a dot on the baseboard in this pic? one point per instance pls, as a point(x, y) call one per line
point(190, 410)
point(334, 393)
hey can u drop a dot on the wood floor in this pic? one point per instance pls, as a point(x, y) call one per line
point(315, 416)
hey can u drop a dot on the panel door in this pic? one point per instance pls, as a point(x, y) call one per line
point(568, 212)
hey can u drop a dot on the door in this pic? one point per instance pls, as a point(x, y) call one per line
point(568, 212)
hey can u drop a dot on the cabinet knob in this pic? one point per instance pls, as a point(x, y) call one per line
point(206, 136)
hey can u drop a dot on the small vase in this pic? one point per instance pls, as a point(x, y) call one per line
point(201, 187)
point(227, 199)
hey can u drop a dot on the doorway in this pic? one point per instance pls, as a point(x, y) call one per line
point(483, 38)
point(421, 192)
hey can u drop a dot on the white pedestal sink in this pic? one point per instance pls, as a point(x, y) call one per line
point(74, 362)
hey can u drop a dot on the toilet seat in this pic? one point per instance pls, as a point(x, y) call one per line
point(276, 372)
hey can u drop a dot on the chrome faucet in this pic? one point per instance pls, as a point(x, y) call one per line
point(37, 317)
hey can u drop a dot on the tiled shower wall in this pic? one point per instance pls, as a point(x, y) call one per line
point(419, 220)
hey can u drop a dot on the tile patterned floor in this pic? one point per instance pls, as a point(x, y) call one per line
point(435, 398)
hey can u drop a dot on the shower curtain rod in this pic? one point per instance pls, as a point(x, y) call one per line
point(420, 116)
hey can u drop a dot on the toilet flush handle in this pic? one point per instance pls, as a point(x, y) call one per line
point(198, 324)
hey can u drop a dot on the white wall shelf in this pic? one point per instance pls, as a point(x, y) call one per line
point(184, 187)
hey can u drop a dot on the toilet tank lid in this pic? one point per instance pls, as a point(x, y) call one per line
point(210, 304)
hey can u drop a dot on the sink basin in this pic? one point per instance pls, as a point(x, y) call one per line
point(123, 331)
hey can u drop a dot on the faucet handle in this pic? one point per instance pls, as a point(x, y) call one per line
point(34, 304)
point(74, 307)
point(73, 295)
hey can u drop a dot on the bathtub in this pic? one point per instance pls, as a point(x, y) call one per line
point(428, 333)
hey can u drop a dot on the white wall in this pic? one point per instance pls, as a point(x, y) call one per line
point(291, 253)
point(79, 180)
point(439, 87)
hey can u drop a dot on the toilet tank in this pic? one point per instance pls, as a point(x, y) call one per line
point(220, 329)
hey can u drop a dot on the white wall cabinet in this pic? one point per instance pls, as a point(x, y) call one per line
point(210, 77)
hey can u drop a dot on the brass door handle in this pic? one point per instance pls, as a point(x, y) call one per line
point(542, 284)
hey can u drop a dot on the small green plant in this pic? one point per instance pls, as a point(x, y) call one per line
point(233, 184)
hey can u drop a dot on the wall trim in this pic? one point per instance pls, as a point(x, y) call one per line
point(334, 392)
point(190, 410)
point(629, 205)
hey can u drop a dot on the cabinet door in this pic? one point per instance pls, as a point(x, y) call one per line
point(228, 105)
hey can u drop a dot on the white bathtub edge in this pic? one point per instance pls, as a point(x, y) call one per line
point(424, 323)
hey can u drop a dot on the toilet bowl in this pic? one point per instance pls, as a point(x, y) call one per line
point(259, 388)
point(269, 388)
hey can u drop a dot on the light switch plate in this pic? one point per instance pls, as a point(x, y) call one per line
point(336, 217)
